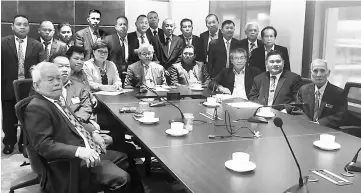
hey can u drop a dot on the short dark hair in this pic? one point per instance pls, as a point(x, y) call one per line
point(95, 11)
point(140, 17)
point(210, 15)
point(59, 54)
point(45, 21)
point(185, 20)
point(24, 16)
point(75, 49)
point(62, 24)
point(152, 12)
point(227, 22)
point(126, 19)
point(274, 52)
point(269, 27)
point(100, 44)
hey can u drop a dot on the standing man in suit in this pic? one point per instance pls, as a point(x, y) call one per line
point(219, 49)
point(190, 39)
point(251, 42)
point(259, 54)
point(168, 48)
point(213, 33)
point(277, 86)
point(138, 37)
point(87, 36)
point(51, 46)
point(327, 103)
point(153, 21)
point(238, 79)
point(118, 46)
point(66, 34)
point(18, 53)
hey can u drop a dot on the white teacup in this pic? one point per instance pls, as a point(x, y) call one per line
point(177, 126)
point(197, 85)
point(327, 138)
point(148, 115)
point(240, 157)
point(265, 110)
point(211, 100)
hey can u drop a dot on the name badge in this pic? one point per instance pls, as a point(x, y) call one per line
point(75, 100)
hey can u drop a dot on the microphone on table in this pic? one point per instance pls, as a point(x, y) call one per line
point(301, 182)
point(257, 119)
point(162, 103)
point(354, 165)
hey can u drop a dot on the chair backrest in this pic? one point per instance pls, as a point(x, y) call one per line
point(353, 92)
point(306, 81)
point(22, 88)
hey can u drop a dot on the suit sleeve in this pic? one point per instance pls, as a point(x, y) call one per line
point(85, 108)
point(286, 59)
point(129, 78)
point(211, 58)
point(41, 131)
point(206, 78)
point(214, 84)
point(254, 93)
point(173, 75)
point(338, 115)
point(297, 83)
point(79, 40)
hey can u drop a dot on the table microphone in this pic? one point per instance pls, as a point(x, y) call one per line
point(155, 104)
point(257, 119)
point(354, 165)
point(301, 182)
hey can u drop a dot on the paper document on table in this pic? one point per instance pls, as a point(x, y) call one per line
point(160, 89)
point(224, 96)
point(113, 93)
point(244, 104)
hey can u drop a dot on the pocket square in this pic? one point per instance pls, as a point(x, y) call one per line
point(329, 106)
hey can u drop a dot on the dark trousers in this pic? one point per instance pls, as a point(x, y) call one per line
point(9, 121)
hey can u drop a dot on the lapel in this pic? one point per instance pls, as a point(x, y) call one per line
point(163, 45)
point(205, 41)
point(54, 46)
point(140, 69)
point(116, 42)
point(222, 46)
point(323, 101)
point(266, 87)
point(29, 47)
point(282, 80)
point(234, 44)
point(172, 45)
point(311, 98)
point(11, 42)
point(88, 35)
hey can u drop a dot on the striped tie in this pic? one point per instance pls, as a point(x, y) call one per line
point(21, 59)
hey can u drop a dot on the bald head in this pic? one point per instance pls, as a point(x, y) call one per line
point(46, 30)
point(168, 27)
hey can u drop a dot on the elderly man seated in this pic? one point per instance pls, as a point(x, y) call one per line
point(145, 71)
point(188, 71)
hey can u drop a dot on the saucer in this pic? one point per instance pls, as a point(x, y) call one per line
point(148, 121)
point(176, 134)
point(249, 166)
point(211, 104)
point(327, 147)
point(197, 88)
point(147, 99)
point(268, 115)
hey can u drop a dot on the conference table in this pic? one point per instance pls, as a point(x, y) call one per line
point(198, 162)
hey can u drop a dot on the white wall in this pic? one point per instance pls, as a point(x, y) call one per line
point(134, 8)
point(288, 17)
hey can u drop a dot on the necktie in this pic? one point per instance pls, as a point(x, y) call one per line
point(228, 49)
point(21, 59)
point(46, 50)
point(97, 35)
point(253, 46)
point(155, 32)
point(272, 90)
point(74, 121)
point(167, 41)
point(122, 49)
point(188, 41)
point(213, 36)
point(142, 37)
point(317, 105)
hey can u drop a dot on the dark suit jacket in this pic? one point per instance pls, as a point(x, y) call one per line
point(226, 79)
point(150, 34)
point(286, 90)
point(196, 41)
point(57, 47)
point(133, 44)
point(258, 58)
point(160, 48)
point(116, 53)
point(244, 44)
point(83, 38)
point(217, 55)
point(204, 44)
point(9, 63)
point(333, 105)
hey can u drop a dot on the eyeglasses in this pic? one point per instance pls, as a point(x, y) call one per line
point(102, 52)
point(239, 58)
point(274, 61)
point(147, 54)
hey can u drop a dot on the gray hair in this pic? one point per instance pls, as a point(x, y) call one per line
point(251, 23)
point(315, 61)
point(144, 48)
point(37, 71)
point(167, 20)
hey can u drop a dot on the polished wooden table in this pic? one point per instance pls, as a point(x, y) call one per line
point(198, 161)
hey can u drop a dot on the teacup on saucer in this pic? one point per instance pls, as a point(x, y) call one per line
point(240, 162)
point(327, 142)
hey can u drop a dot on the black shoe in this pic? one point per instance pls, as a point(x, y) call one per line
point(8, 149)
point(21, 147)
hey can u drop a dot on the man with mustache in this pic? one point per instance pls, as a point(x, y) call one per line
point(65, 34)
point(153, 21)
point(186, 26)
point(278, 85)
point(212, 33)
point(18, 53)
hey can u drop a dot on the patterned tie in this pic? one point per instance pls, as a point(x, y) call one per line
point(168, 42)
point(142, 37)
point(228, 50)
point(155, 32)
point(317, 105)
point(97, 35)
point(122, 49)
point(103, 74)
point(21, 59)
point(253, 46)
point(74, 121)
point(46, 50)
point(272, 90)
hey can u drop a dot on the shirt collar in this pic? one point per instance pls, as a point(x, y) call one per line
point(225, 41)
point(216, 34)
point(49, 99)
point(152, 30)
point(273, 48)
point(144, 65)
point(188, 38)
point(124, 39)
point(255, 43)
point(241, 72)
point(25, 39)
point(139, 34)
point(277, 75)
point(42, 41)
point(322, 89)
point(68, 82)
point(170, 37)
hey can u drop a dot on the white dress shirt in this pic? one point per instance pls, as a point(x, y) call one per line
point(94, 37)
point(321, 90)
point(23, 45)
point(49, 45)
point(239, 89)
point(125, 42)
point(190, 40)
point(152, 30)
point(146, 41)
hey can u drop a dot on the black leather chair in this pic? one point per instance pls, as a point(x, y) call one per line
point(353, 122)
point(306, 81)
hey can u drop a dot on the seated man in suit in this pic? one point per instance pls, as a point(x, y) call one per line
point(219, 49)
point(238, 79)
point(212, 33)
point(327, 103)
point(251, 42)
point(145, 71)
point(190, 39)
point(51, 46)
point(153, 21)
point(259, 54)
point(168, 48)
point(277, 86)
point(57, 134)
point(188, 71)
point(86, 37)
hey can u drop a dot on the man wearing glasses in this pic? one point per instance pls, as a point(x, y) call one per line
point(277, 86)
point(238, 79)
point(145, 71)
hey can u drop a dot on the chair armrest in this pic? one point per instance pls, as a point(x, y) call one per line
point(349, 127)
